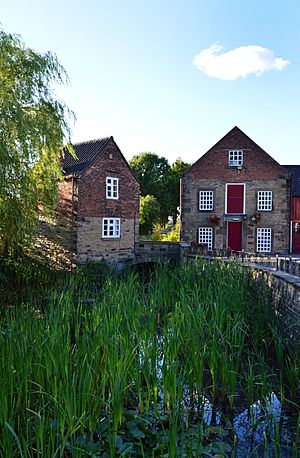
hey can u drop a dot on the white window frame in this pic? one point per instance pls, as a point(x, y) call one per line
point(111, 228)
point(244, 200)
point(205, 236)
point(265, 201)
point(264, 240)
point(112, 188)
point(206, 200)
point(235, 157)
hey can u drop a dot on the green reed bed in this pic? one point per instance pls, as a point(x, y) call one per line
point(156, 365)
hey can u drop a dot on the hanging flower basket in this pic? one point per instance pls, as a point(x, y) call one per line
point(256, 217)
point(215, 219)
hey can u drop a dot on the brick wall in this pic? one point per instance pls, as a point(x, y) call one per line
point(258, 165)
point(92, 187)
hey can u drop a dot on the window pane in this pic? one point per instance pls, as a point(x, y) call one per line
point(236, 157)
point(112, 188)
point(206, 200)
point(264, 240)
point(205, 236)
point(264, 200)
point(111, 227)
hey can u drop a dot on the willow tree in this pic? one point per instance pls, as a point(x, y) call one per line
point(33, 128)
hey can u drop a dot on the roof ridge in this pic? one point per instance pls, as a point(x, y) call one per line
point(94, 140)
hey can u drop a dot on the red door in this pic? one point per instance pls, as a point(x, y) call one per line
point(234, 235)
point(296, 237)
point(235, 198)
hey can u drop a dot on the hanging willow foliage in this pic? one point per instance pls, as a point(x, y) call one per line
point(33, 128)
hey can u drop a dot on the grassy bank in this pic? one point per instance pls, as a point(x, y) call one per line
point(146, 365)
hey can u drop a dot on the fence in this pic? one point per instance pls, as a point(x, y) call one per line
point(277, 262)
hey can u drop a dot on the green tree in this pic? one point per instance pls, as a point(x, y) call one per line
point(152, 172)
point(177, 168)
point(33, 128)
point(149, 213)
point(160, 180)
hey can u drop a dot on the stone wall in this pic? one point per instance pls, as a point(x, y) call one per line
point(285, 292)
point(151, 251)
point(277, 219)
point(91, 244)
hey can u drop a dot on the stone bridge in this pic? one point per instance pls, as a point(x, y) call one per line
point(151, 251)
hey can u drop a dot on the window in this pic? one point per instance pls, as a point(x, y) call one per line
point(206, 200)
point(111, 227)
point(206, 236)
point(112, 188)
point(263, 243)
point(264, 200)
point(236, 157)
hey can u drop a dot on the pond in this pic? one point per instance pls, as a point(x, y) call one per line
point(185, 360)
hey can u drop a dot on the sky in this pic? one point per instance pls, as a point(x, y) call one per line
point(173, 76)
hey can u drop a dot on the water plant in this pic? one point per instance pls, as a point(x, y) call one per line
point(183, 361)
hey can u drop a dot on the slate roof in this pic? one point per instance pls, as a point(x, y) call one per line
point(295, 171)
point(86, 153)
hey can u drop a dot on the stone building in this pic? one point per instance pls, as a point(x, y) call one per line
point(237, 196)
point(98, 213)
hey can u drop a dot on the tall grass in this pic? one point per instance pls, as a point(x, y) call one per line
point(110, 365)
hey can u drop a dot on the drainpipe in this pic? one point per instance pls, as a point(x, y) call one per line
point(74, 250)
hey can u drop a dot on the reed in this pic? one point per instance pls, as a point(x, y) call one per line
point(103, 364)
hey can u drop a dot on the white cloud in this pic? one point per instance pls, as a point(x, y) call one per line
point(239, 62)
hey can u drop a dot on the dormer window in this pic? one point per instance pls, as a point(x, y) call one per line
point(112, 188)
point(236, 158)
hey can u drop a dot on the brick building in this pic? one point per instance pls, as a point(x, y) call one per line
point(295, 208)
point(98, 213)
point(237, 196)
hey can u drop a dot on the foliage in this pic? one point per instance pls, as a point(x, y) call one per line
point(171, 236)
point(159, 179)
point(33, 128)
point(149, 213)
point(177, 168)
point(174, 234)
point(152, 172)
point(132, 368)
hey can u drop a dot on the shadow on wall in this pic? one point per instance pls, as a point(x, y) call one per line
point(54, 243)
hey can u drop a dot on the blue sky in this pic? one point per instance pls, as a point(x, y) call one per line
point(132, 74)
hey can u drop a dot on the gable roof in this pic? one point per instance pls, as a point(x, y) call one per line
point(232, 131)
point(295, 171)
point(86, 152)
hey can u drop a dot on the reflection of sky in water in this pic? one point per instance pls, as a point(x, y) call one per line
point(253, 426)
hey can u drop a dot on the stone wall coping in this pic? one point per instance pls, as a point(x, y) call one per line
point(292, 279)
point(162, 242)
